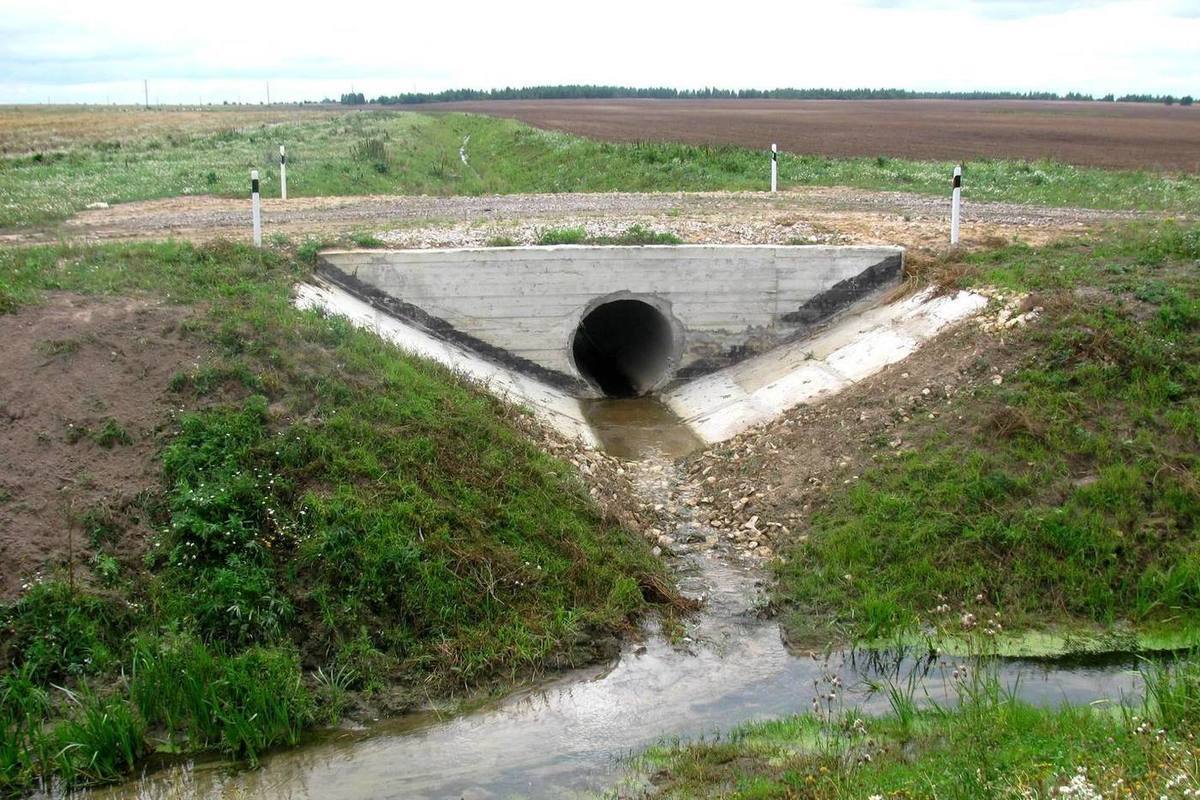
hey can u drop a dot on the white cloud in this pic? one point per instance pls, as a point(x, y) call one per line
point(69, 51)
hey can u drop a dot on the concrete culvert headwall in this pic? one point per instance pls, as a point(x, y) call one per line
point(524, 308)
point(624, 347)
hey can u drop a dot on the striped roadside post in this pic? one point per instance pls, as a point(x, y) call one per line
point(774, 168)
point(255, 209)
point(282, 173)
point(956, 205)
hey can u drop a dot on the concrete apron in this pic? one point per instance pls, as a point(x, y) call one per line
point(723, 404)
point(717, 406)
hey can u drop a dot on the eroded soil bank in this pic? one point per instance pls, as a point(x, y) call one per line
point(83, 404)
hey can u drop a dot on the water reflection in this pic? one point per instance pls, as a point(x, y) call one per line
point(639, 428)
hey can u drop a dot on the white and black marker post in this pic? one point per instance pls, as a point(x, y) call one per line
point(956, 205)
point(282, 173)
point(774, 168)
point(255, 211)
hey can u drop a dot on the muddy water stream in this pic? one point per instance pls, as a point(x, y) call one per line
point(569, 736)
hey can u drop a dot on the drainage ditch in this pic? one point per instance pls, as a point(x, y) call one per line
point(570, 735)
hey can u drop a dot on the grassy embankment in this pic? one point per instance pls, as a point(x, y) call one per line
point(337, 522)
point(1064, 501)
point(986, 744)
point(1066, 498)
point(409, 153)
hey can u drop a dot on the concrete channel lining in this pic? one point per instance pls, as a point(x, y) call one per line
point(525, 307)
point(717, 406)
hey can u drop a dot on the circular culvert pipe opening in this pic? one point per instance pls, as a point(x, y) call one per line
point(623, 347)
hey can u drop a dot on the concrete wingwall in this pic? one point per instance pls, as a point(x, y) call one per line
point(522, 306)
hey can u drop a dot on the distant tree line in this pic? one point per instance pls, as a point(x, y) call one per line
point(1168, 99)
point(594, 92)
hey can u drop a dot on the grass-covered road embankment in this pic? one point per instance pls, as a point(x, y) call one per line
point(382, 152)
point(336, 522)
point(1064, 495)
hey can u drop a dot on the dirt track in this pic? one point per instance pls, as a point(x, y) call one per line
point(1124, 135)
point(806, 215)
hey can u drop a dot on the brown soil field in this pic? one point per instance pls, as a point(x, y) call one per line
point(1113, 135)
point(29, 129)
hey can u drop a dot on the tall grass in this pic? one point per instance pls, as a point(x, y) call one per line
point(241, 704)
point(1172, 696)
point(100, 740)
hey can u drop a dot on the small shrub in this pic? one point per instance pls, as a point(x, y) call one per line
point(59, 347)
point(238, 604)
point(309, 249)
point(373, 152)
point(206, 380)
point(101, 525)
point(111, 433)
point(367, 240)
point(501, 241)
point(107, 569)
point(553, 236)
point(640, 234)
point(58, 631)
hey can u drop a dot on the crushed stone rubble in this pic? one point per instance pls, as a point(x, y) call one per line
point(720, 230)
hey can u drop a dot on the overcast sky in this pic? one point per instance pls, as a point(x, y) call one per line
point(213, 50)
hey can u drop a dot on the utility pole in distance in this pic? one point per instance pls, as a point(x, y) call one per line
point(146, 90)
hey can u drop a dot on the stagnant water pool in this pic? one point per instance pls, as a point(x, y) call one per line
point(573, 735)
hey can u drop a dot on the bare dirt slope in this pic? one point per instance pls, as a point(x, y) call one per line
point(70, 367)
point(1122, 135)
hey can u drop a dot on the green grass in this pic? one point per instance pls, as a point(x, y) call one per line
point(553, 236)
point(633, 235)
point(327, 501)
point(984, 745)
point(1067, 496)
point(409, 153)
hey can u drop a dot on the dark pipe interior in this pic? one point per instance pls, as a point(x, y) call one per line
point(624, 347)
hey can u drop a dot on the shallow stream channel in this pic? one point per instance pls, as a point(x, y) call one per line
point(572, 736)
